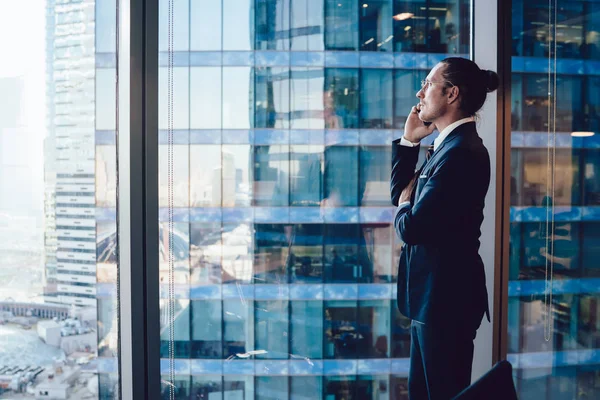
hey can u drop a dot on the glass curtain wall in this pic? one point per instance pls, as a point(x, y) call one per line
point(58, 184)
point(554, 287)
point(277, 258)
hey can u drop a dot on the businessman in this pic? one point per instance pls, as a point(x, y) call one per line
point(441, 279)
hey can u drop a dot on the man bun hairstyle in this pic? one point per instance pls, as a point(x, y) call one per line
point(473, 83)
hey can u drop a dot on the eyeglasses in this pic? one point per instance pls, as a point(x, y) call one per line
point(426, 83)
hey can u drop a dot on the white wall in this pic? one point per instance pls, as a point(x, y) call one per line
point(484, 42)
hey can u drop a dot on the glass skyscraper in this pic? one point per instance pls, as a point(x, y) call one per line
point(285, 259)
point(553, 341)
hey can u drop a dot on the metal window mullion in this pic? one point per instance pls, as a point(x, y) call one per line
point(138, 199)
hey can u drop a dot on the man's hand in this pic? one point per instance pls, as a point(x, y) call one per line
point(407, 193)
point(415, 129)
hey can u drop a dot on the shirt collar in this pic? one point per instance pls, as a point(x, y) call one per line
point(448, 130)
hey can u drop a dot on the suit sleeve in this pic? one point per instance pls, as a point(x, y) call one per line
point(404, 161)
point(439, 202)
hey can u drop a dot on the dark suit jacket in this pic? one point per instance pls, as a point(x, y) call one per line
point(440, 274)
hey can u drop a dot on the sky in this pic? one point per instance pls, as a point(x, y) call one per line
point(22, 49)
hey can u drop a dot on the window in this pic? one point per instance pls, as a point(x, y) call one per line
point(306, 328)
point(238, 33)
point(307, 25)
point(272, 96)
point(206, 26)
point(181, 29)
point(306, 98)
point(271, 329)
point(376, 26)
point(206, 329)
point(341, 25)
point(237, 97)
point(205, 98)
point(553, 190)
point(272, 24)
point(271, 175)
point(341, 98)
point(376, 99)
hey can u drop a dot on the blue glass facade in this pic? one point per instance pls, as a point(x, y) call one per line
point(284, 254)
point(567, 366)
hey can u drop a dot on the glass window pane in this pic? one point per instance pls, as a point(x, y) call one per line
point(106, 26)
point(271, 329)
point(341, 183)
point(537, 247)
point(207, 387)
point(341, 98)
point(272, 96)
point(400, 346)
point(438, 27)
point(238, 97)
point(240, 387)
point(340, 387)
point(306, 329)
point(238, 33)
point(306, 258)
point(237, 175)
point(306, 175)
point(342, 338)
point(375, 170)
point(376, 98)
point(306, 387)
point(272, 24)
point(205, 252)
point(592, 102)
point(205, 25)
point(373, 328)
point(237, 253)
point(590, 249)
point(180, 346)
point(376, 26)
point(306, 98)
point(181, 27)
point(179, 180)
point(106, 176)
point(537, 190)
point(271, 387)
point(238, 327)
point(181, 258)
point(399, 387)
point(206, 176)
point(372, 387)
point(281, 190)
point(206, 329)
point(308, 25)
point(552, 195)
point(181, 387)
point(271, 253)
point(106, 99)
point(58, 207)
point(205, 97)
point(343, 263)
point(341, 25)
point(406, 84)
point(181, 107)
point(271, 175)
point(378, 252)
point(591, 178)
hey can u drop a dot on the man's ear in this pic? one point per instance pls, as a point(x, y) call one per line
point(453, 93)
